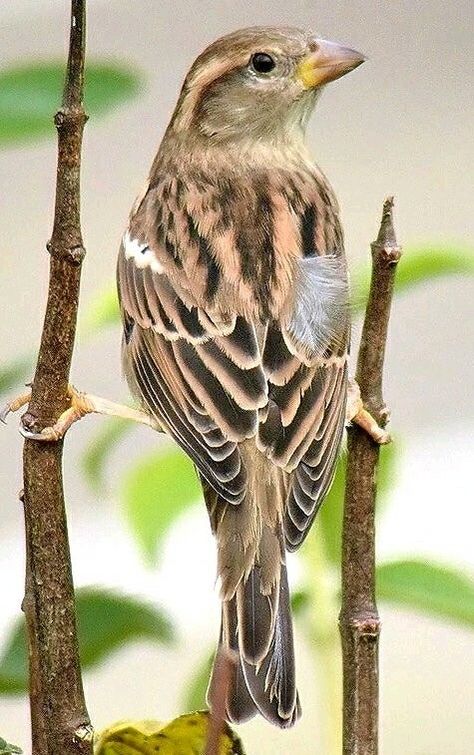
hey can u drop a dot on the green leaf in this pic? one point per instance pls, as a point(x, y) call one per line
point(107, 620)
point(154, 493)
point(102, 312)
point(30, 94)
point(300, 600)
point(419, 264)
point(428, 587)
point(15, 373)
point(8, 749)
point(99, 449)
point(185, 735)
point(195, 695)
point(328, 523)
point(329, 519)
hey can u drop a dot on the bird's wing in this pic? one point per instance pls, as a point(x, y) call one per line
point(198, 371)
point(305, 362)
point(197, 364)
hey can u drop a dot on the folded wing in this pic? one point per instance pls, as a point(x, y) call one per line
point(215, 375)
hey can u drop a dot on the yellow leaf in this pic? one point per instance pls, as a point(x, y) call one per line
point(185, 735)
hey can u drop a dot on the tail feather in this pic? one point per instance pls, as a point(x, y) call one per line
point(272, 684)
point(240, 706)
point(267, 687)
point(256, 617)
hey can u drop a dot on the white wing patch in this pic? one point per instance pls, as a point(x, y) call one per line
point(140, 253)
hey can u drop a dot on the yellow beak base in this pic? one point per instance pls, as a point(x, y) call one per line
point(330, 61)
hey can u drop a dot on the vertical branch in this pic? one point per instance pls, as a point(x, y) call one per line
point(60, 723)
point(359, 620)
point(38, 734)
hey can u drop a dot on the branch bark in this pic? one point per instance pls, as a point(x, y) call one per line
point(60, 723)
point(359, 620)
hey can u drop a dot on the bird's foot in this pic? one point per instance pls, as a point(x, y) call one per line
point(80, 405)
point(14, 405)
point(358, 415)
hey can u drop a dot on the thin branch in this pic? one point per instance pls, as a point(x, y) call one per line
point(60, 723)
point(38, 734)
point(359, 620)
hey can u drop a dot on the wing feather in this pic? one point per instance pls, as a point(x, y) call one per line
point(216, 369)
point(223, 470)
point(236, 422)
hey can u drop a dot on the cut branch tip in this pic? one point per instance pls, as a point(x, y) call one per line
point(386, 247)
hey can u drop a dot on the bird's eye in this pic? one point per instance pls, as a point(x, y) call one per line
point(262, 62)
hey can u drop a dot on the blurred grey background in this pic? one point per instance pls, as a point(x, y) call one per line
point(402, 124)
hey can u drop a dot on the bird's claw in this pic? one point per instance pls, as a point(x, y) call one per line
point(78, 407)
point(364, 419)
point(48, 434)
point(80, 404)
point(357, 414)
point(13, 406)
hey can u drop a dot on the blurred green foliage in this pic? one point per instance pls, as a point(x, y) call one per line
point(330, 514)
point(419, 265)
point(30, 94)
point(97, 453)
point(8, 749)
point(107, 620)
point(431, 588)
point(12, 374)
point(167, 477)
point(195, 693)
point(102, 312)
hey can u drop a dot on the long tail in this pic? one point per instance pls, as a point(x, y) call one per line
point(256, 621)
point(267, 687)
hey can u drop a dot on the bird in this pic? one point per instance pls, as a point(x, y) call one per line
point(234, 298)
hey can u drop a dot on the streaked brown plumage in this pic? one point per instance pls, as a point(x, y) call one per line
point(233, 289)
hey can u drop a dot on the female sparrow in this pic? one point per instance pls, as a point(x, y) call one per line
point(234, 297)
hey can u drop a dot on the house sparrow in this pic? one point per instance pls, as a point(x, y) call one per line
point(234, 298)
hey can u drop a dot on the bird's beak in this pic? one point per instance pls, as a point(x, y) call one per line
point(328, 62)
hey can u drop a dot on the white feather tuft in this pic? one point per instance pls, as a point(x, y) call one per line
point(141, 254)
point(320, 314)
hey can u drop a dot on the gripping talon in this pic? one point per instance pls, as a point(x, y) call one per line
point(44, 436)
point(358, 415)
point(79, 408)
point(14, 405)
point(365, 420)
point(80, 405)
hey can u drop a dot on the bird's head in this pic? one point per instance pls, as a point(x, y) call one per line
point(258, 83)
